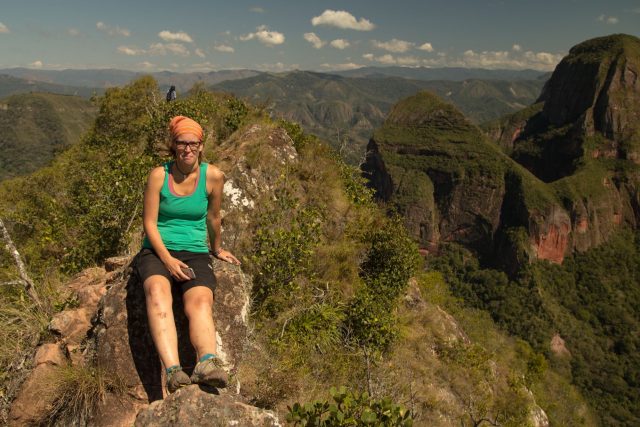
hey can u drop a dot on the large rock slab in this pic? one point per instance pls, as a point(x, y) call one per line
point(194, 407)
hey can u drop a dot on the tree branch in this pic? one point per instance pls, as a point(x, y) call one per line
point(28, 283)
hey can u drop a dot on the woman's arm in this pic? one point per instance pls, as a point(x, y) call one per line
point(215, 183)
point(150, 210)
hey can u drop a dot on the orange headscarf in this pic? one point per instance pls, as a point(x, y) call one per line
point(180, 125)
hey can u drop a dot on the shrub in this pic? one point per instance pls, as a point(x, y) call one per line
point(349, 408)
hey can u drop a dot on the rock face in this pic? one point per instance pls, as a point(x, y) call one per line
point(192, 406)
point(451, 184)
point(596, 87)
point(109, 329)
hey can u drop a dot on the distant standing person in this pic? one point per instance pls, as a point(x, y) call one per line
point(181, 210)
point(171, 95)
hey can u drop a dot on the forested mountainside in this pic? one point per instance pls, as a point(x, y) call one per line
point(549, 204)
point(37, 126)
point(345, 111)
point(337, 289)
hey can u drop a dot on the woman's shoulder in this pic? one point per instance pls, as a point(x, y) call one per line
point(157, 173)
point(214, 172)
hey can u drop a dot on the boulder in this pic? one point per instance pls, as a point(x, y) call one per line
point(192, 406)
point(31, 405)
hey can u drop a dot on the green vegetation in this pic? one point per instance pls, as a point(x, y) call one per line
point(349, 409)
point(37, 126)
point(591, 301)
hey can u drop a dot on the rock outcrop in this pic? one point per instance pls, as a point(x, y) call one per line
point(108, 329)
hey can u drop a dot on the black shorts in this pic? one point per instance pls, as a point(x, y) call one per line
point(148, 264)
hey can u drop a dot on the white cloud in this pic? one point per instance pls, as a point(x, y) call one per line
point(199, 52)
point(386, 59)
point(340, 44)
point(347, 66)
point(165, 48)
point(180, 36)
point(131, 51)
point(112, 31)
point(73, 32)
point(426, 47)
point(342, 19)
point(264, 36)
point(224, 48)
point(608, 19)
point(146, 64)
point(394, 45)
point(4, 29)
point(504, 59)
point(516, 48)
point(278, 66)
point(36, 64)
point(389, 59)
point(256, 10)
point(407, 60)
point(202, 66)
point(314, 40)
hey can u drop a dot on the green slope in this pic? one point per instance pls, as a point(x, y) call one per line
point(34, 127)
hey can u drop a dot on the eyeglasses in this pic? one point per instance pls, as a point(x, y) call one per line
point(193, 145)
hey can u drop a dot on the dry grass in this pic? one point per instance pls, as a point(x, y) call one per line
point(77, 391)
point(24, 326)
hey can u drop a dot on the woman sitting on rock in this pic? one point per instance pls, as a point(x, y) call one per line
point(181, 207)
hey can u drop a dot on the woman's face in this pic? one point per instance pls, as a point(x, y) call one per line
point(187, 147)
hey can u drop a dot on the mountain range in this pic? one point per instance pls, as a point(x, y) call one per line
point(345, 110)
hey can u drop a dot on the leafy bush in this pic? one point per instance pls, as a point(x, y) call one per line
point(349, 408)
point(392, 258)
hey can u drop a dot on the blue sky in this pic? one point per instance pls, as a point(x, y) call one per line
point(199, 35)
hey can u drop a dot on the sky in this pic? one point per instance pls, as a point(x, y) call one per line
point(211, 35)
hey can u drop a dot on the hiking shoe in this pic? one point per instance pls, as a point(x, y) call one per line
point(210, 372)
point(176, 378)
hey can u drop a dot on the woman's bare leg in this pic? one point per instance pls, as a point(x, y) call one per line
point(198, 306)
point(157, 290)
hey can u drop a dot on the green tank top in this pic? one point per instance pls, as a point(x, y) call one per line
point(182, 220)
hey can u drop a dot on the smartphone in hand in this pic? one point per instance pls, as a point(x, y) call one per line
point(189, 272)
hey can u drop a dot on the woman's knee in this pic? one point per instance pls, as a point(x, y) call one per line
point(157, 291)
point(198, 306)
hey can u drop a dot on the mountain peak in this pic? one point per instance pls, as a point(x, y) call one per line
point(600, 48)
point(425, 109)
point(596, 87)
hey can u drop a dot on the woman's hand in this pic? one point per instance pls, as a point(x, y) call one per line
point(175, 267)
point(227, 256)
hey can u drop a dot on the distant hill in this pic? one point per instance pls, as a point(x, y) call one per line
point(10, 85)
point(36, 126)
point(444, 73)
point(345, 111)
point(104, 78)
